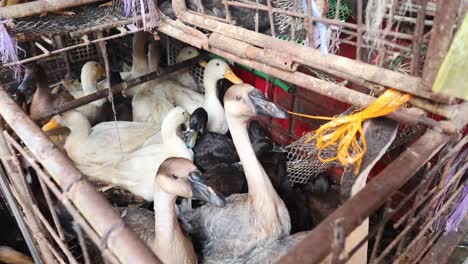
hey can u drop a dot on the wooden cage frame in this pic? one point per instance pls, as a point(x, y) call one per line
point(280, 59)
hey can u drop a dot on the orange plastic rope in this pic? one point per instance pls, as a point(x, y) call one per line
point(341, 133)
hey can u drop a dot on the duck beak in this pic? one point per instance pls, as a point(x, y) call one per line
point(52, 124)
point(203, 63)
point(190, 138)
point(232, 77)
point(264, 107)
point(203, 192)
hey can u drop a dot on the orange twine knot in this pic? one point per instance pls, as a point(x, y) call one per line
point(340, 134)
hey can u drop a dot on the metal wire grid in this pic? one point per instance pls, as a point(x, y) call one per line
point(57, 228)
point(79, 54)
point(173, 47)
point(400, 41)
point(86, 16)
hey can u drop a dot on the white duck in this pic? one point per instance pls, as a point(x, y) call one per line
point(102, 144)
point(134, 171)
point(160, 229)
point(215, 70)
point(149, 102)
point(171, 92)
point(139, 57)
point(186, 79)
point(251, 220)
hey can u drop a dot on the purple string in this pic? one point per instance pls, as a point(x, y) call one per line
point(455, 167)
point(129, 6)
point(453, 222)
point(9, 49)
point(146, 6)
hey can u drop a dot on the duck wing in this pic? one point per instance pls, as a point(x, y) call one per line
point(141, 221)
point(273, 252)
point(222, 235)
point(185, 97)
point(214, 150)
point(151, 105)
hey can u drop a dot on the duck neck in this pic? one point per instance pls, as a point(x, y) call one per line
point(139, 58)
point(270, 212)
point(169, 136)
point(210, 85)
point(42, 91)
point(89, 85)
point(214, 108)
point(260, 187)
point(168, 234)
point(79, 130)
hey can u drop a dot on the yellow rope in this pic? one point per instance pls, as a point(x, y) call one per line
point(340, 134)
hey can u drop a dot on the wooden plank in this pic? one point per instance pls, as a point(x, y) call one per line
point(441, 37)
point(446, 244)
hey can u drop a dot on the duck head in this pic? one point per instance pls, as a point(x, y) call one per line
point(244, 101)
point(197, 126)
point(92, 71)
point(28, 85)
point(68, 119)
point(186, 53)
point(218, 69)
point(179, 176)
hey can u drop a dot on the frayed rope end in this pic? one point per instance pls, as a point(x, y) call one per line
point(9, 49)
point(455, 219)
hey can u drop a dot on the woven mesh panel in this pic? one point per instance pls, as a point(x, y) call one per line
point(344, 12)
point(406, 134)
point(303, 162)
point(284, 23)
point(85, 17)
point(197, 71)
point(84, 53)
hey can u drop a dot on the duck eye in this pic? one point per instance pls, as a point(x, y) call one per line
point(189, 52)
point(238, 97)
point(217, 64)
point(175, 177)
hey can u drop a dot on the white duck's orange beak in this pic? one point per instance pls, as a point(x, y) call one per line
point(51, 125)
point(232, 77)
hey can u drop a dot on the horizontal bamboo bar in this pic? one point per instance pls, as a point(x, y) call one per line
point(338, 92)
point(164, 74)
point(180, 31)
point(247, 51)
point(313, 18)
point(122, 242)
point(448, 111)
point(86, 42)
point(369, 199)
point(312, 57)
point(40, 6)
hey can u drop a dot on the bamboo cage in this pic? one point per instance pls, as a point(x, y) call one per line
point(412, 196)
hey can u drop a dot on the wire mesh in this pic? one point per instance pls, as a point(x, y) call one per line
point(173, 47)
point(84, 17)
point(390, 43)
